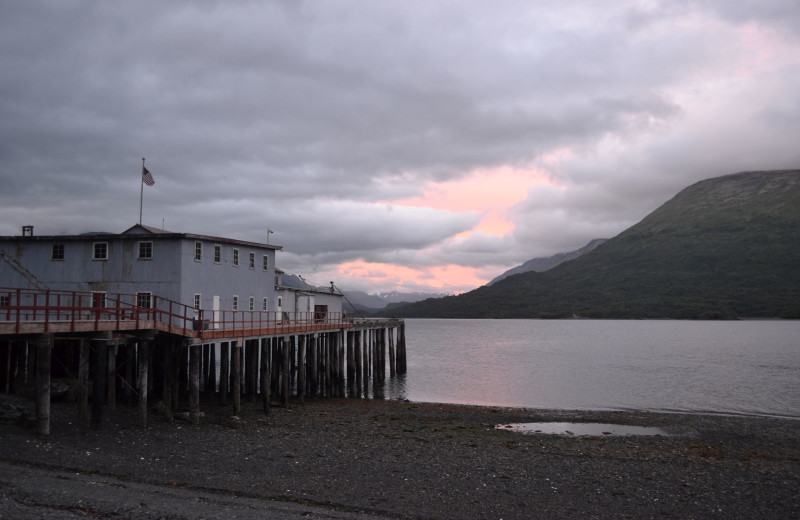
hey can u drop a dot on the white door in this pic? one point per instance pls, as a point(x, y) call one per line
point(216, 311)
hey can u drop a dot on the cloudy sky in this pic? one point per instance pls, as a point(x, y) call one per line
point(391, 145)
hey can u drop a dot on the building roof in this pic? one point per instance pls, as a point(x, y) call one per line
point(135, 232)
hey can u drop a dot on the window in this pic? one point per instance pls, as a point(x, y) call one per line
point(145, 250)
point(235, 257)
point(252, 305)
point(5, 300)
point(98, 299)
point(265, 263)
point(197, 300)
point(198, 251)
point(100, 251)
point(144, 299)
point(217, 253)
point(280, 301)
point(235, 302)
point(252, 260)
point(58, 252)
point(264, 304)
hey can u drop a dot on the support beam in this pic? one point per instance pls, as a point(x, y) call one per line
point(112, 376)
point(100, 362)
point(195, 354)
point(143, 357)
point(265, 373)
point(44, 347)
point(236, 368)
point(286, 345)
point(83, 380)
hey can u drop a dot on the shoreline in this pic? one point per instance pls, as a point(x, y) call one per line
point(396, 459)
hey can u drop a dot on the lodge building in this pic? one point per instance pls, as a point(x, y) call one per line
point(181, 313)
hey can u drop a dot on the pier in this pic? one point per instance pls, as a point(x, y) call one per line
point(166, 355)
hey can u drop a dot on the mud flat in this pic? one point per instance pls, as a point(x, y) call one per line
point(337, 458)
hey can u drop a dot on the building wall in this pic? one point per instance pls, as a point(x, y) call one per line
point(223, 278)
point(172, 272)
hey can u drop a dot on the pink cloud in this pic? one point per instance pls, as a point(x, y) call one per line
point(448, 278)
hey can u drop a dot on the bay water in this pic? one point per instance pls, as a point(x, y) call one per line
point(729, 367)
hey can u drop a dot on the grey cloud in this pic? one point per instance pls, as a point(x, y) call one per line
point(304, 117)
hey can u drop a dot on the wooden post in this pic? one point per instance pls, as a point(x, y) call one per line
point(224, 372)
point(401, 345)
point(44, 346)
point(83, 380)
point(357, 355)
point(301, 368)
point(211, 385)
point(265, 374)
point(195, 354)
point(143, 357)
point(286, 345)
point(112, 376)
point(99, 356)
point(311, 352)
point(5, 369)
point(351, 362)
point(206, 363)
point(236, 368)
point(392, 354)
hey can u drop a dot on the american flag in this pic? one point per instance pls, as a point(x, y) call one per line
point(146, 177)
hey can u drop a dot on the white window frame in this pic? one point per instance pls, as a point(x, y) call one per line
point(265, 263)
point(61, 249)
point(251, 260)
point(95, 245)
point(235, 304)
point(264, 304)
point(198, 251)
point(198, 301)
point(252, 303)
point(102, 295)
point(139, 255)
point(235, 257)
point(217, 254)
point(149, 299)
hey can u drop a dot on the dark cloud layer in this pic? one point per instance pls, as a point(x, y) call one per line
point(315, 118)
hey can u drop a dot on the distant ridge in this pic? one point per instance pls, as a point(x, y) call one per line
point(543, 264)
point(722, 248)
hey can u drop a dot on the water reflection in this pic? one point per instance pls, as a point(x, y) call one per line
point(581, 429)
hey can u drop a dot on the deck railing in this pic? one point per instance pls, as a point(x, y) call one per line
point(32, 310)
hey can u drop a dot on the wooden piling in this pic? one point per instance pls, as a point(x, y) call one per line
point(143, 357)
point(83, 379)
point(392, 355)
point(236, 368)
point(44, 347)
point(224, 372)
point(99, 357)
point(211, 385)
point(301, 367)
point(195, 354)
point(112, 376)
point(286, 345)
point(265, 374)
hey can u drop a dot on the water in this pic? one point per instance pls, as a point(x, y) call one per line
point(741, 367)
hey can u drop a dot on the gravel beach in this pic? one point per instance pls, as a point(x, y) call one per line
point(346, 458)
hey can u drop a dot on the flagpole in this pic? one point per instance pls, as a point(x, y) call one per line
point(141, 193)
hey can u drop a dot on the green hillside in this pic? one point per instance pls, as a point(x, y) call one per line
point(726, 247)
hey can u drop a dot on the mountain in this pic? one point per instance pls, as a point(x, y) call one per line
point(364, 302)
point(726, 247)
point(543, 264)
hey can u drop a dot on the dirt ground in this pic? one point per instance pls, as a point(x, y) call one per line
point(348, 458)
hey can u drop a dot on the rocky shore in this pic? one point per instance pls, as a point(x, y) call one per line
point(337, 458)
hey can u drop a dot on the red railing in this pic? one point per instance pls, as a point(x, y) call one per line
point(44, 311)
